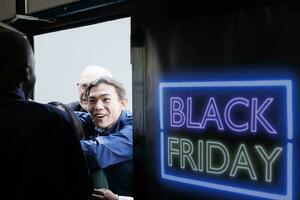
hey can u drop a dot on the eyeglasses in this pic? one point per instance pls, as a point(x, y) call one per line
point(82, 86)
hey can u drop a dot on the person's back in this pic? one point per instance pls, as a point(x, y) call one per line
point(39, 150)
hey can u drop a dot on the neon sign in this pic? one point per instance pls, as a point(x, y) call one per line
point(234, 136)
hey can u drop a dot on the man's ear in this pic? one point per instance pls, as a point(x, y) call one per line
point(25, 73)
point(28, 72)
point(123, 103)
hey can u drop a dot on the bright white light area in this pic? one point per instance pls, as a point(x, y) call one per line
point(61, 56)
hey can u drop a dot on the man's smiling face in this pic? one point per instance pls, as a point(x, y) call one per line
point(104, 105)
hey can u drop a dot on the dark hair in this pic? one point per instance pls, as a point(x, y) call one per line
point(109, 81)
point(79, 129)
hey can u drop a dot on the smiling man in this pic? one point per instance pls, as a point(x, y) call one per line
point(109, 126)
point(89, 74)
point(106, 101)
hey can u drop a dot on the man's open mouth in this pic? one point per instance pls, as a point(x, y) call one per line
point(100, 116)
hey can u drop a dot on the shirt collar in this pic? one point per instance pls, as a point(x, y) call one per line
point(12, 94)
point(103, 131)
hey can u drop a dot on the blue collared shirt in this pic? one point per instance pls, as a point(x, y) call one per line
point(107, 147)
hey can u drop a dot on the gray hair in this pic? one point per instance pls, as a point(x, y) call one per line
point(121, 92)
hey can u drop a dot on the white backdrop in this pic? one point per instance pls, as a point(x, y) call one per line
point(61, 56)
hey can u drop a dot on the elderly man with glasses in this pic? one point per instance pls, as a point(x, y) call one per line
point(88, 75)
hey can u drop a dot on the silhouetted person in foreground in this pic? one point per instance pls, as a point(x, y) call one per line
point(40, 154)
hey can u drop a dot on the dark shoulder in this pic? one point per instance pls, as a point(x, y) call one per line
point(48, 111)
point(75, 106)
point(36, 118)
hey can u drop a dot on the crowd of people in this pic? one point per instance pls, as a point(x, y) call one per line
point(81, 150)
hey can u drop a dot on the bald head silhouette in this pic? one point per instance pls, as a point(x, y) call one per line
point(26, 129)
point(16, 58)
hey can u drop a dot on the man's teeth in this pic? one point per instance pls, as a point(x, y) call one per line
point(100, 116)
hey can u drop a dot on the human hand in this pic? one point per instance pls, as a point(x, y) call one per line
point(104, 194)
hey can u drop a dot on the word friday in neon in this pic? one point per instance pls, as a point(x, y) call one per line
point(183, 150)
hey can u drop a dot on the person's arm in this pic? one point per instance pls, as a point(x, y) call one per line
point(104, 151)
point(86, 122)
point(108, 195)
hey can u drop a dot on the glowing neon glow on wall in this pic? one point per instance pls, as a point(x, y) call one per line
point(233, 136)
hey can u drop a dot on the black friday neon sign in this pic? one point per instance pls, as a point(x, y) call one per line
point(232, 109)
